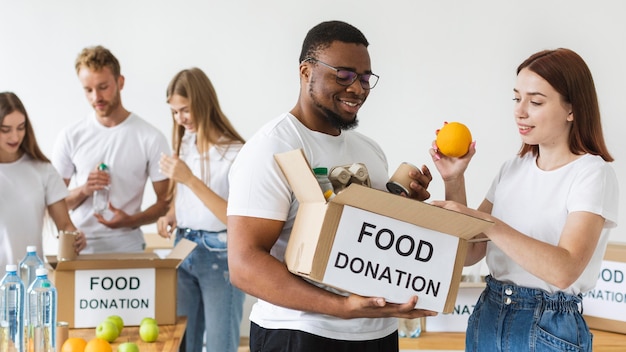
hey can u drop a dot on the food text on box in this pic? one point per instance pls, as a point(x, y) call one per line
point(129, 293)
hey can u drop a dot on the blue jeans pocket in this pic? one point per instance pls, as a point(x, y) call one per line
point(215, 242)
point(562, 331)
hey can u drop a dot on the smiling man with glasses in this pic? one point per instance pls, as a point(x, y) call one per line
point(293, 314)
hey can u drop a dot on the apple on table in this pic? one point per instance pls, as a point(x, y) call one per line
point(119, 322)
point(128, 347)
point(107, 330)
point(149, 330)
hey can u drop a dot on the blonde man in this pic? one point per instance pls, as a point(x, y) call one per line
point(126, 143)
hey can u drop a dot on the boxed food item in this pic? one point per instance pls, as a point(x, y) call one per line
point(604, 307)
point(131, 285)
point(374, 243)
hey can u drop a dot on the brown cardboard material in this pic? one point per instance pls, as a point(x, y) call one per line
point(374, 243)
point(156, 243)
point(604, 306)
point(131, 285)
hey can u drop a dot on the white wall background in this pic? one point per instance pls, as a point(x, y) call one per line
point(439, 61)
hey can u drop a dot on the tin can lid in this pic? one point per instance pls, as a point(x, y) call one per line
point(396, 188)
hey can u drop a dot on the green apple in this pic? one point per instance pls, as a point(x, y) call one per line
point(119, 322)
point(128, 347)
point(148, 320)
point(149, 332)
point(107, 330)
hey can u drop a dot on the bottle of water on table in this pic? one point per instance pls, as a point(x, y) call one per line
point(28, 265)
point(11, 311)
point(42, 313)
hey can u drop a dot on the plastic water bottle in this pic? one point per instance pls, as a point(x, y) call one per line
point(28, 265)
point(101, 197)
point(321, 174)
point(11, 311)
point(42, 313)
point(411, 328)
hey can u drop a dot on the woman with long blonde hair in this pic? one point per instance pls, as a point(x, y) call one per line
point(205, 145)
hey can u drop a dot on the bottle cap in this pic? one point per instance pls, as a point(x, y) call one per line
point(41, 271)
point(320, 171)
point(31, 249)
point(11, 268)
point(103, 167)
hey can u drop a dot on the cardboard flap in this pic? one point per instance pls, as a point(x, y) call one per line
point(615, 252)
point(298, 172)
point(301, 250)
point(124, 260)
point(412, 211)
point(182, 250)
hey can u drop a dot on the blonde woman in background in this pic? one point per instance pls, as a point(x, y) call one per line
point(205, 146)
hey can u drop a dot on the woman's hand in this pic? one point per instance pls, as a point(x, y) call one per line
point(175, 169)
point(80, 242)
point(166, 225)
point(451, 168)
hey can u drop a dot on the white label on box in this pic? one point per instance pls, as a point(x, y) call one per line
point(374, 255)
point(457, 320)
point(607, 300)
point(128, 293)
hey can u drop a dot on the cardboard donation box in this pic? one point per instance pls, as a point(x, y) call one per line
point(374, 243)
point(131, 285)
point(605, 305)
point(456, 321)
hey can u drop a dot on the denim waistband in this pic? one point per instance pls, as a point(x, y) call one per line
point(189, 233)
point(529, 298)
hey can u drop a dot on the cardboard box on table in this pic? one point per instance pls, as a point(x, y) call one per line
point(374, 243)
point(604, 307)
point(131, 285)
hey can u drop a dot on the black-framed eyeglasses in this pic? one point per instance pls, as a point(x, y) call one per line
point(347, 77)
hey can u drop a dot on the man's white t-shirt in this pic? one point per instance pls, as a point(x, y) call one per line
point(537, 203)
point(27, 188)
point(258, 188)
point(132, 151)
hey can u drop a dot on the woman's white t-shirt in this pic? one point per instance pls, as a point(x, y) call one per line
point(27, 188)
point(537, 202)
point(190, 211)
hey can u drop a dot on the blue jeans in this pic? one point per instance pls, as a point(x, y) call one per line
point(512, 318)
point(206, 296)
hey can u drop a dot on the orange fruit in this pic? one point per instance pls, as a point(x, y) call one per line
point(74, 344)
point(453, 139)
point(98, 345)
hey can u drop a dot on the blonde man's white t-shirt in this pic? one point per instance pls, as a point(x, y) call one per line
point(132, 151)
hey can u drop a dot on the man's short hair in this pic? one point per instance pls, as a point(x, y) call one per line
point(324, 34)
point(96, 58)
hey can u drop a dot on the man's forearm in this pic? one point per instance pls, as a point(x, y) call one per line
point(149, 215)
